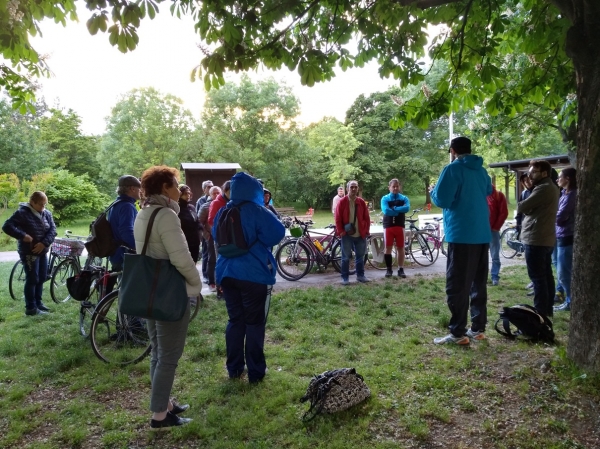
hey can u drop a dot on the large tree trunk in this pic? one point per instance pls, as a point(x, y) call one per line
point(583, 46)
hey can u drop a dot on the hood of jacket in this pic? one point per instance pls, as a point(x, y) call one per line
point(246, 188)
point(470, 161)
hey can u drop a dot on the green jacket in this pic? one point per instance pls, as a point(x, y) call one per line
point(540, 214)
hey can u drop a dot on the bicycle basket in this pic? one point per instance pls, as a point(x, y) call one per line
point(67, 247)
point(296, 231)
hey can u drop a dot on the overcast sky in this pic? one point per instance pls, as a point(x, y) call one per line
point(90, 75)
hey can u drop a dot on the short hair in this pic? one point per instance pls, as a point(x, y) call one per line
point(154, 178)
point(393, 181)
point(37, 197)
point(214, 189)
point(523, 177)
point(571, 174)
point(349, 182)
point(184, 188)
point(542, 166)
point(206, 183)
point(226, 187)
point(460, 145)
point(341, 188)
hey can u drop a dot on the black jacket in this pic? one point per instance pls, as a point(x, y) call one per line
point(26, 221)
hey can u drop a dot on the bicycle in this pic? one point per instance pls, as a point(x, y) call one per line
point(510, 243)
point(297, 256)
point(434, 228)
point(417, 246)
point(62, 263)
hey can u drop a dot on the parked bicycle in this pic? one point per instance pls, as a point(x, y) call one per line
point(435, 229)
point(510, 243)
point(63, 262)
point(419, 245)
point(302, 251)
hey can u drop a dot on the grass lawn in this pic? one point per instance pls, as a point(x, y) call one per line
point(54, 393)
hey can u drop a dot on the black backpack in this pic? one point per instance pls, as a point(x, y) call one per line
point(102, 242)
point(230, 240)
point(529, 323)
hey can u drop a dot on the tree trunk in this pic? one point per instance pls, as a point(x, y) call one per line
point(427, 194)
point(507, 185)
point(583, 46)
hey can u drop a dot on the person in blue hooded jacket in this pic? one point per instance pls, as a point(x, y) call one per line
point(461, 192)
point(247, 280)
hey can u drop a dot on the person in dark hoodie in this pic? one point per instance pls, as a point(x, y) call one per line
point(461, 192)
point(247, 280)
point(32, 225)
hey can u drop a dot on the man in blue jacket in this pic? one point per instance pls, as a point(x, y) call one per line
point(32, 225)
point(247, 279)
point(394, 206)
point(461, 192)
point(122, 216)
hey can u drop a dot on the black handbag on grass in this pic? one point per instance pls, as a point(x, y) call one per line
point(152, 288)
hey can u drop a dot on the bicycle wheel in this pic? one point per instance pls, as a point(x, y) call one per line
point(116, 337)
point(336, 259)
point(58, 282)
point(293, 260)
point(507, 235)
point(422, 250)
point(195, 305)
point(16, 282)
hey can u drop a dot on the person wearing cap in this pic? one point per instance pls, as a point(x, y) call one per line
point(122, 216)
point(462, 191)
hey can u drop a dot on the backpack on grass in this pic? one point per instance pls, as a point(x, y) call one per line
point(102, 242)
point(529, 323)
point(230, 240)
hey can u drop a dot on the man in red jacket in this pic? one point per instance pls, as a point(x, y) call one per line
point(353, 223)
point(498, 213)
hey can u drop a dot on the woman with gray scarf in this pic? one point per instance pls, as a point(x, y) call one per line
point(167, 241)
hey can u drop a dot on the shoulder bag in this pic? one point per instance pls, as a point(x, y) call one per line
point(152, 288)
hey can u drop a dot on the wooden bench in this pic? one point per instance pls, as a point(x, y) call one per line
point(304, 217)
point(286, 211)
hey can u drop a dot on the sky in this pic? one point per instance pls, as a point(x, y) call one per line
point(90, 76)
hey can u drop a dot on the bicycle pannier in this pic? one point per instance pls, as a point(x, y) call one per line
point(102, 242)
point(80, 284)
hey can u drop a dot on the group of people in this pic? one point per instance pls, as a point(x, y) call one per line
point(473, 215)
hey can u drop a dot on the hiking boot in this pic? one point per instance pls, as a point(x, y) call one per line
point(475, 335)
point(451, 339)
point(564, 307)
point(345, 282)
point(32, 312)
point(495, 282)
point(362, 279)
point(559, 298)
point(388, 273)
point(401, 273)
point(171, 420)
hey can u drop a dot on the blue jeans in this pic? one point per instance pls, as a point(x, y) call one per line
point(564, 268)
point(360, 247)
point(539, 268)
point(495, 253)
point(36, 272)
point(248, 307)
point(559, 286)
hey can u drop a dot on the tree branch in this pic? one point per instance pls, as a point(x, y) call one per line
point(425, 4)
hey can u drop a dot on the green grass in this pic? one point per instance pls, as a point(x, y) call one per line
point(497, 393)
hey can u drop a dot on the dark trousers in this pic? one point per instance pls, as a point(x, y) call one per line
point(211, 261)
point(539, 269)
point(247, 306)
point(36, 272)
point(204, 259)
point(466, 276)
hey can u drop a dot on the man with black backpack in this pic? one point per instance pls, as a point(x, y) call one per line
point(122, 216)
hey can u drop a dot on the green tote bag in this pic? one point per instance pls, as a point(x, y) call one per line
point(152, 288)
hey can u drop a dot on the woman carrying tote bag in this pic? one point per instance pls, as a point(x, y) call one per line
point(166, 241)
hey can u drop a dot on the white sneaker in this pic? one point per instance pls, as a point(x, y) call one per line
point(475, 335)
point(212, 288)
point(464, 340)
